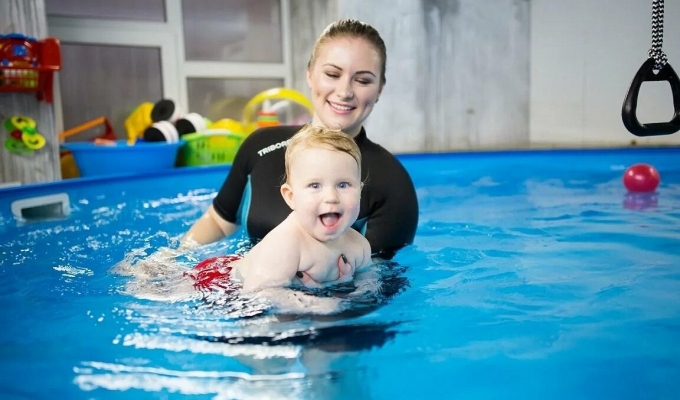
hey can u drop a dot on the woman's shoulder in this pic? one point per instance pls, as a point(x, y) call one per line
point(265, 137)
point(375, 155)
point(273, 133)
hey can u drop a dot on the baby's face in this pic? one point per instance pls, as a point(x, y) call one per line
point(326, 188)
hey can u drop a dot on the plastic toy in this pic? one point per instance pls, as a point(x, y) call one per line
point(137, 122)
point(283, 105)
point(69, 168)
point(28, 64)
point(170, 124)
point(641, 178)
point(24, 137)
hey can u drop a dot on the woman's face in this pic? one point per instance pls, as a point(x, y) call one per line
point(345, 84)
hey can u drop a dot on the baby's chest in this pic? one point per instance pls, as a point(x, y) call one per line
point(323, 266)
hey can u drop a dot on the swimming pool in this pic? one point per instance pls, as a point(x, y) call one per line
point(533, 275)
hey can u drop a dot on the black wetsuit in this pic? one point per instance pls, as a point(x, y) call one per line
point(250, 195)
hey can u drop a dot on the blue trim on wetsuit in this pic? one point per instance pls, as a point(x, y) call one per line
point(360, 225)
point(244, 207)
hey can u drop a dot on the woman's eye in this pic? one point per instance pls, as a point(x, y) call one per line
point(332, 75)
point(364, 82)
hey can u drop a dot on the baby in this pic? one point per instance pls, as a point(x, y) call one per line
point(323, 190)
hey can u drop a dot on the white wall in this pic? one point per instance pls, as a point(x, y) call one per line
point(584, 54)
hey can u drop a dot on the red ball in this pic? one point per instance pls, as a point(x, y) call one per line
point(641, 178)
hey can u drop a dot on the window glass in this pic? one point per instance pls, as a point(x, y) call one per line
point(146, 10)
point(107, 81)
point(216, 99)
point(232, 30)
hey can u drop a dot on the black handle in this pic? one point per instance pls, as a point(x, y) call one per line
point(628, 112)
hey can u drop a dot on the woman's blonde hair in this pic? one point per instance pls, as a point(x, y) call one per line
point(353, 29)
point(314, 137)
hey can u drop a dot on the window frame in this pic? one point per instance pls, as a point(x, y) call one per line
point(169, 37)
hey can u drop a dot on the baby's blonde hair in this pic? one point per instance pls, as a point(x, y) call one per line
point(310, 137)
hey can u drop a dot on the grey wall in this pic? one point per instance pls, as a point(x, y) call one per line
point(457, 70)
point(28, 17)
point(584, 54)
point(308, 19)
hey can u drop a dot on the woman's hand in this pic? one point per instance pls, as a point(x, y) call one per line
point(345, 274)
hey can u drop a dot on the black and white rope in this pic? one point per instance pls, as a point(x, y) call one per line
point(657, 36)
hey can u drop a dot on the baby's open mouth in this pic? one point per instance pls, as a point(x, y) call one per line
point(329, 219)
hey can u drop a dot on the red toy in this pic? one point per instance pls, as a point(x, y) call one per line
point(28, 64)
point(641, 178)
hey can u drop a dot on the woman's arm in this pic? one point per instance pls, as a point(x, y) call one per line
point(221, 218)
point(208, 229)
point(393, 222)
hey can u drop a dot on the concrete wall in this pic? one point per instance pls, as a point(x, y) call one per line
point(457, 70)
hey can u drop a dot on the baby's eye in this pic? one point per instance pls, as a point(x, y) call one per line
point(314, 185)
point(344, 185)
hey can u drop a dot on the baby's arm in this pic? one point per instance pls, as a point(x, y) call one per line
point(271, 263)
point(364, 257)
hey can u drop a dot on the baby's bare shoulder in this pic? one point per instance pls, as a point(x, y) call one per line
point(355, 238)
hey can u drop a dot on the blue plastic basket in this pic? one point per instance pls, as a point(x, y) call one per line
point(121, 158)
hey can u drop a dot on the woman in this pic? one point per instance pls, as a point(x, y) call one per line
point(346, 75)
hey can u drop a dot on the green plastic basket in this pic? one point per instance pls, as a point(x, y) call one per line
point(210, 147)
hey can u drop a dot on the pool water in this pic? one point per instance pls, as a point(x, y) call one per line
point(533, 275)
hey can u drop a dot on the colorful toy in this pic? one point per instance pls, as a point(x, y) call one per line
point(641, 178)
point(267, 118)
point(229, 125)
point(24, 137)
point(280, 106)
point(137, 122)
point(28, 64)
point(170, 124)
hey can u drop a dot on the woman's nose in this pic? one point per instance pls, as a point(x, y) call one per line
point(345, 91)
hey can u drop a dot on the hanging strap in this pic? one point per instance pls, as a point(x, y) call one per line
point(657, 36)
point(656, 68)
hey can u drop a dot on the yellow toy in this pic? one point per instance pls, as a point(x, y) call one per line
point(24, 137)
point(137, 122)
point(228, 124)
point(276, 106)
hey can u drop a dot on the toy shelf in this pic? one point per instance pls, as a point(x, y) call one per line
point(28, 65)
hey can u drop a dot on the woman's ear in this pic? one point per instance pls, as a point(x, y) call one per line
point(308, 78)
point(287, 193)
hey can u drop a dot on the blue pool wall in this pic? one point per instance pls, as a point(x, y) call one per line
point(462, 165)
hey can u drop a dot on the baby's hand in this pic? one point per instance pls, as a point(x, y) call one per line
point(345, 274)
